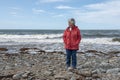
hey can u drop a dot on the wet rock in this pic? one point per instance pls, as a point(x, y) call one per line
point(88, 78)
point(6, 76)
point(29, 50)
point(113, 71)
point(113, 60)
point(32, 52)
point(91, 51)
point(61, 75)
point(7, 54)
point(21, 75)
point(116, 39)
point(110, 77)
point(48, 73)
point(114, 52)
point(118, 55)
point(106, 65)
point(26, 74)
point(99, 71)
point(95, 76)
point(73, 78)
point(8, 67)
point(18, 75)
point(86, 72)
point(89, 54)
point(24, 49)
point(3, 49)
point(89, 64)
point(41, 51)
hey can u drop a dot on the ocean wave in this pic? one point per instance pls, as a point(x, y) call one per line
point(52, 38)
point(48, 34)
point(93, 35)
point(37, 36)
point(99, 41)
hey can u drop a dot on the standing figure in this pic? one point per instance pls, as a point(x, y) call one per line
point(71, 38)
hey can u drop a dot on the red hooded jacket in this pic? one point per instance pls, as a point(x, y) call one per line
point(72, 38)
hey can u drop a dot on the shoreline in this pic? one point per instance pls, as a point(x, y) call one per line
point(53, 46)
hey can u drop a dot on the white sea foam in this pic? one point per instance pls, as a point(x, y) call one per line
point(50, 38)
point(39, 36)
point(99, 41)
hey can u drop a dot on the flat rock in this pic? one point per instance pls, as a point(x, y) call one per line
point(113, 71)
point(3, 49)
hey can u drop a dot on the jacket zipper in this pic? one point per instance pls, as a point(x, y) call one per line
point(70, 38)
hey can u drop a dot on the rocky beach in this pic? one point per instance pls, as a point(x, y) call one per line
point(40, 55)
point(100, 62)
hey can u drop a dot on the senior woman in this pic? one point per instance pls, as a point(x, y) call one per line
point(71, 38)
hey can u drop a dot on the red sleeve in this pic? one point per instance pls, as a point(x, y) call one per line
point(78, 37)
point(64, 37)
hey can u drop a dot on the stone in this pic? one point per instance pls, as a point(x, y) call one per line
point(18, 75)
point(118, 55)
point(113, 71)
point(8, 67)
point(105, 65)
point(26, 74)
point(90, 63)
point(98, 71)
point(3, 49)
point(6, 76)
point(73, 78)
point(96, 76)
point(62, 75)
point(113, 60)
point(91, 51)
point(86, 72)
point(27, 64)
point(110, 77)
point(24, 49)
point(48, 73)
point(89, 54)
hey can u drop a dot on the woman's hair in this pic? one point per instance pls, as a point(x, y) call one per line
point(72, 20)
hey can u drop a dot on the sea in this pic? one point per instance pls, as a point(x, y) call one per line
point(52, 39)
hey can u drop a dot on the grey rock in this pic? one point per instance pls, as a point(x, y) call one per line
point(8, 67)
point(88, 78)
point(113, 71)
point(111, 77)
point(113, 60)
point(118, 54)
point(48, 73)
point(89, 54)
point(26, 74)
point(28, 64)
point(86, 72)
point(73, 78)
point(18, 75)
point(62, 75)
point(99, 71)
point(106, 65)
point(88, 64)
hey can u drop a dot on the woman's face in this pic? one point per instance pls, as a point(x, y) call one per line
point(70, 24)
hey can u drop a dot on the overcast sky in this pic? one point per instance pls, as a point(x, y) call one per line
point(54, 14)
